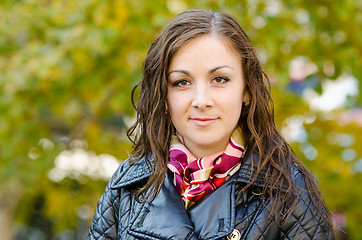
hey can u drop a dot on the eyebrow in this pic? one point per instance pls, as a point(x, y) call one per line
point(211, 71)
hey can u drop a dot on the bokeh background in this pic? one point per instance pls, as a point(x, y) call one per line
point(67, 69)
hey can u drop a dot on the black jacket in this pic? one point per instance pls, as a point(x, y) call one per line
point(119, 216)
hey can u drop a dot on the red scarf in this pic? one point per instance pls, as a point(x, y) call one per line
point(194, 178)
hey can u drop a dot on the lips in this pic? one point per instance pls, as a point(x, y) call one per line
point(203, 122)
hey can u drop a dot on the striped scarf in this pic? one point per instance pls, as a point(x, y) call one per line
point(194, 178)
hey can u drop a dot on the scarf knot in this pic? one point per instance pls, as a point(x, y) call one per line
point(194, 177)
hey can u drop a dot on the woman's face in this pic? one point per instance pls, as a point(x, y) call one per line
point(205, 93)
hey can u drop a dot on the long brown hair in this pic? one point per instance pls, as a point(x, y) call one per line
point(151, 133)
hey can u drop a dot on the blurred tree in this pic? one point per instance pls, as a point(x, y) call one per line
point(330, 150)
point(66, 72)
point(67, 68)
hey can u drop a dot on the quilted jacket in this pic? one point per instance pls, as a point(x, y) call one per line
point(227, 213)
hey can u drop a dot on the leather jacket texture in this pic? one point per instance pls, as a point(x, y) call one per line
point(226, 213)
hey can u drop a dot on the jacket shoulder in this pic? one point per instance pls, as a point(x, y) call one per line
point(308, 219)
point(107, 217)
point(105, 220)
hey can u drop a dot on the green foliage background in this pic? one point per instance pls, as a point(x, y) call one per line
point(67, 69)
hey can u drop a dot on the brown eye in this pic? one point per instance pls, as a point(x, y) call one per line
point(181, 83)
point(221, 79)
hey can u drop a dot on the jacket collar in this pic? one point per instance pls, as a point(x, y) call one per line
point(157, 220)
point(137, 172)
point(248, 170)
point(166, 217)
point(129, 174)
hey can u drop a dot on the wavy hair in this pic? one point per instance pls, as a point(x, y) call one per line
point(152, 131)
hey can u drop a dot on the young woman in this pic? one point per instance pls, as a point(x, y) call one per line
point(208, 160)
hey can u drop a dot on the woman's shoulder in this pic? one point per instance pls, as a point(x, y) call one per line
point(131, 172)
point(309, 219)
point(106, 219)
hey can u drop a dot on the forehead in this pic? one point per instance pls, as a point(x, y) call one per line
point(206, 50)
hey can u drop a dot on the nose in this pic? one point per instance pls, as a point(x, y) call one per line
point(202, 97)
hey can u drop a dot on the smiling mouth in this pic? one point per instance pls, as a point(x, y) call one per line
point(203, 122)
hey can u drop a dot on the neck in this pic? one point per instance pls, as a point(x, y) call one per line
point(203, 151)
point(200, 151)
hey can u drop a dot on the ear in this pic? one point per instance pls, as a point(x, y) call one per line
point(246, 96)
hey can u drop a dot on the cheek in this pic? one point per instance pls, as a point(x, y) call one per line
point(170, 102)
point(233, 103)
point(177, 101)
point(236, 111)
point(174, 105)
point(234, 97)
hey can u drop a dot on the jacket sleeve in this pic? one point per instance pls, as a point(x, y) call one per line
point(105, 221)
point(306, 221)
